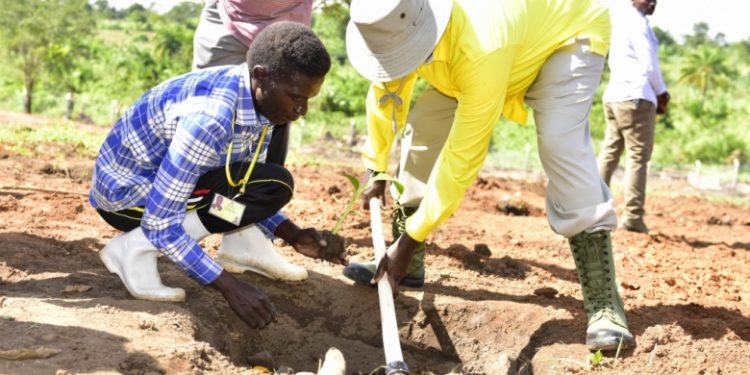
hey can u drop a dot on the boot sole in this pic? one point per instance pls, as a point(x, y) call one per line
point(610, 343)
point(234, 267)
point(113, 266)
point(610, 347)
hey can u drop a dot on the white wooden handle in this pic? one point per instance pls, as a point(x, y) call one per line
point(391, 343)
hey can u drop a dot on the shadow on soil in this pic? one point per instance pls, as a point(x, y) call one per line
point(701, 244)
point(77, 354)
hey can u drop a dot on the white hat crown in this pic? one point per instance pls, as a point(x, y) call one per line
point(388, 39)
point(385, 24)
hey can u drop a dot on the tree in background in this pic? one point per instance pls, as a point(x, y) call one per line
point(700, 35)
point(103, 10)
point(69, 70)
point(665, 38)
point(705, 67)
point(173, 47)
point(185, 13)
point(42, 35)
point(345, 90)
point(138, 14)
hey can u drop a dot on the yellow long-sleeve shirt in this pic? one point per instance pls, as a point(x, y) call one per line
point(489, 55)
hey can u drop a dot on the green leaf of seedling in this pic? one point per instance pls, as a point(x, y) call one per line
point(352, 180)
point(358, 190)
point(399, 187)
point(384, 177)
point(596, 358)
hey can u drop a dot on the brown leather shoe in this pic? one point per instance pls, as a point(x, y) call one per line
point(637, 226)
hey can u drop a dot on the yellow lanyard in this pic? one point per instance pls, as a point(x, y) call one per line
point(244, 180)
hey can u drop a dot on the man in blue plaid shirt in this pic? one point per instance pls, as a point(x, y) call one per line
point(191, 157)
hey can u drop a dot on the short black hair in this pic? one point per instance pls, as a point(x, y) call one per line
point(285, 47)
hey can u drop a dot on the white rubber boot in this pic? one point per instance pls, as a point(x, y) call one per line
point(334, 364)
point(132, 257)
point(248, 249)
point(194, 227)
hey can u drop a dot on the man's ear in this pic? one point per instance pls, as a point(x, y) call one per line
point(259, 72)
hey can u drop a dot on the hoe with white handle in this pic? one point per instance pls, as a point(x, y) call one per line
point(392, 346)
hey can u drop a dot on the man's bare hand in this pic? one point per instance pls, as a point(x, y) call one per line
point(248, 302)
point(376, 190)
point(395, 262)
point(307, 242)
point(662, 100)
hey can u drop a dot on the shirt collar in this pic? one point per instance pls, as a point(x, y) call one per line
point(246, 97)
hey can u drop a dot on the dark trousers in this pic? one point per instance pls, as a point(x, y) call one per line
point(279, 145)
point(269, 188)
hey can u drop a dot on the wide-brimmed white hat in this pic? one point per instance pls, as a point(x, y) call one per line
point(388, 39)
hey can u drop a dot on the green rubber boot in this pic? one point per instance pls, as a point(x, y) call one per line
point(607, 326)
point(364, 272)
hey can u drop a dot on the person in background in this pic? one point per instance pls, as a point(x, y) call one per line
point(189, 159)
point(224, 34)
point(635, 94)
point(227, 28)
point(483, 60)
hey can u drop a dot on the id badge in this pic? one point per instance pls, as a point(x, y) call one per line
point(226, 209)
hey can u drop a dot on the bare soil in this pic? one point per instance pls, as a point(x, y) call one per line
point(501, 295)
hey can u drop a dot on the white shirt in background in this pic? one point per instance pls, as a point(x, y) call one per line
point(633, 57)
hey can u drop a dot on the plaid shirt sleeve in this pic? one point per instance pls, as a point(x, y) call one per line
point(195, 147)
point(269, 224)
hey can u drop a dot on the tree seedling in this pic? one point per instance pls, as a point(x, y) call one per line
point(596, 359)
point(336, 244)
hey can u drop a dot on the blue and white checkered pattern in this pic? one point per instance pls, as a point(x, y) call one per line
point(173, 134)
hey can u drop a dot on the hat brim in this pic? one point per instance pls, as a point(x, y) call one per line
point(402, 59)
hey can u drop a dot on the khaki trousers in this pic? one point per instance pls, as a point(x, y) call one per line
point(630, 125)
point(561, 96)
point(213, 44)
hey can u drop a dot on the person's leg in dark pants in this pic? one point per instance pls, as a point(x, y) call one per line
point(269, 188)
point(279, 146)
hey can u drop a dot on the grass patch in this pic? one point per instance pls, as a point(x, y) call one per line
point(59, 139)
point(727, 199)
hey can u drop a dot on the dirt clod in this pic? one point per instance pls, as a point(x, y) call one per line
point(724, 220)
point(139, 364)
point(48, 168)
point(521, 209)
point(333, 190)
point(335, 250)
point(482, 249)
point(546, 292)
